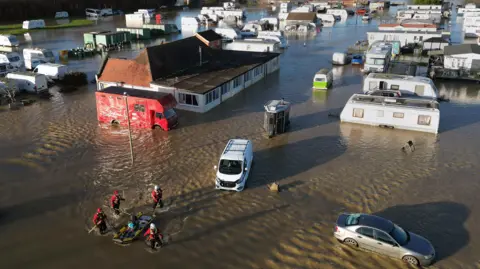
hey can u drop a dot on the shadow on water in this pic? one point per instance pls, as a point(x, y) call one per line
point(442, 223)
point(281, 162)
point(454, 117)
point(36, 207)
point(314, 119)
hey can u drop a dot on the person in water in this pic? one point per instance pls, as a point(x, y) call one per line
point(99, 220)
point(115, 202)
point(157, 195)
point(131, 227)
point(154, 236)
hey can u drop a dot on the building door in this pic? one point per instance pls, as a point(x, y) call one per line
point(383, 85)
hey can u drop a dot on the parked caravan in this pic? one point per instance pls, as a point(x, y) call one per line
point(338, 12)
point(228, 33)
point(147, 13)
point(378, 58)
point(12, 58)
point(272, 24)
point(61, 15)
point(256, 45)
point(9, 41)
point(33, 24)
point(91, 12)
point(326, 18)
point(6, 68)
point(234, 165)
point(30, 55)
point(339, 58)
point(53, 71)
point(29, 82)
point(147, 109)
point(413, 114)
point(323, 79)
point(406, 85)
point(276, 36)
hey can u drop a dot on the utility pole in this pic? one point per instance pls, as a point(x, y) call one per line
point(125, 96)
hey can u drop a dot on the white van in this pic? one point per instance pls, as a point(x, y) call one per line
point(235, 165)
point(228, 33)
point(339, 58)
point(9, 41)
point(12, 58)
point(29, 81)
point(33, 24)
point(6, 68)
point(42, 55)
point(61, 15)
point(53, 71)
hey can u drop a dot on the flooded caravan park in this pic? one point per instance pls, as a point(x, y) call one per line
point(58, 165)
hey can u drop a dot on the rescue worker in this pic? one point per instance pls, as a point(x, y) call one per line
point(154, 236)
point(157, 195)
point(115, 202)
point(99, 220)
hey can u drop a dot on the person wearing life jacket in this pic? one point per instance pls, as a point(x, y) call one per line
point(157, 195)
point(154, 236)
point(99, 220)
point(132, 225)
point(115, 202)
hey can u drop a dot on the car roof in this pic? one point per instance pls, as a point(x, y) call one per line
point(375, 222)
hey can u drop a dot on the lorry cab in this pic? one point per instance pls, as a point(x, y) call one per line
point(234, 165)
point(323, 79)
point(277, 117)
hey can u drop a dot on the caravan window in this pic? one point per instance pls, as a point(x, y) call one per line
point(424, 120)
point(14, 59)
point(398, 115)
point(358, 112)
point(13, 39)
point(395, 87)
point(376, 61)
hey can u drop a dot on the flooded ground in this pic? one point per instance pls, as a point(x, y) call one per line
point(58, 165)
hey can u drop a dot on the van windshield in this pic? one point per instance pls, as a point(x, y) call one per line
point(169, 113)
point(230, 167)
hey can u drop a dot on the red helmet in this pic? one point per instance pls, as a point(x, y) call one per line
point(115, 192)
point(99, 210)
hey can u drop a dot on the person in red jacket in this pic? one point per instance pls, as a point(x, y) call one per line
point(99, 219)
point(115, 202)
point(157, 195)
point(154, 236)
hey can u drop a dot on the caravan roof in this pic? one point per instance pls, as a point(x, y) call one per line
point(399, 77)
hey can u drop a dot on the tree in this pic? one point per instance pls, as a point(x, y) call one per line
point(8, 90)
point(427, 2)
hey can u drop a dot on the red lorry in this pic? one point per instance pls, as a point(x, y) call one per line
point(147, 109)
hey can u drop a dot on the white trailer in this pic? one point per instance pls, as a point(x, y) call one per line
point(255, 45)
point(404, 37)
point(29, 82)
point(407, 85)
point(37, 54)
point(53, 71)
point(413, 114)
point(33, 24)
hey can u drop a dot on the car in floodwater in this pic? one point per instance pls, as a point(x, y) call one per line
point(384, 237)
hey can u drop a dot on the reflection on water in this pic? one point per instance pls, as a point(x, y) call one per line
point(468, 94)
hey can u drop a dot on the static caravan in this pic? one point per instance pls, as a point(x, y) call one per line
point(463, 11)
point(228, 33)
point(338, 12)
point(413, 114)
point(407, 85)
point(33, 24)
point(326, 18)
point(405, 38)
point(9, 41)
point(378, 58)
point(472, 31)
point(255, 45)
point(277, 36)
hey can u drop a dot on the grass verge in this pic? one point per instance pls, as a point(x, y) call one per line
point(16, 29)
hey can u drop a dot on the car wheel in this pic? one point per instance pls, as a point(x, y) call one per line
point(410, 259)
point(350, 242)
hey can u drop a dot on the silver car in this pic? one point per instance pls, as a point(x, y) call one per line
point(383, 236)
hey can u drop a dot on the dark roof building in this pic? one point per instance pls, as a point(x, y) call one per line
point(306, 17)
point(462, 49)
point(188, 65)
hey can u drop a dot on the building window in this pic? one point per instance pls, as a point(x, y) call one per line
point(211, 96)
point(258, 71)
point(187, 99)
point(398, 115)
point(358, 112)
point(379, 113)
point(225, 88)
point(247, 76)
point(237, 82)
point(424, 120)
point(139, 108)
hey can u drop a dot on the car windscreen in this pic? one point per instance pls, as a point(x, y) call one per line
point(352, 219)
point(400, 235)
point(169, 113)
point(230, 167)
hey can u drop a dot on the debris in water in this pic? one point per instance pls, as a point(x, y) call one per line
point(274, 187)
point(409, 147)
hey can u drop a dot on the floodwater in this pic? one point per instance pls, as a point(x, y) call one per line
point(58, 165)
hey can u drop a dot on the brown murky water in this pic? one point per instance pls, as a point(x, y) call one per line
point(58, 165)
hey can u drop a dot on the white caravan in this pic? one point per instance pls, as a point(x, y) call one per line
point(12, 58)
point(53, 71)
point(33, 24)
point(413, 114)
point(9, 41)
point(190, 21)
point(342, 13)
point(277, 36)
point(91, 12)
point(326, 18)
point(255, 45)
point(406, 85)
point(41, 55)
point(235, 165)
point(228, 33)
point(29, 82)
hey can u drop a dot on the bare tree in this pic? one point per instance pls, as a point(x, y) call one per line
point(8, 90)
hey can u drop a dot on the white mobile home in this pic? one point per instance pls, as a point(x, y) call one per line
point(406, 85)
point(403, 37)
point(255, 45)
point(408, 27)
point(413, 114)
point(277, 36)
point(228, 33)
point(326, 18)
point(464, 56)
point(338, 12)
point(33, 24)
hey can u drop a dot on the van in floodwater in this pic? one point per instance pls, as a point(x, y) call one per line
point(9, 41)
